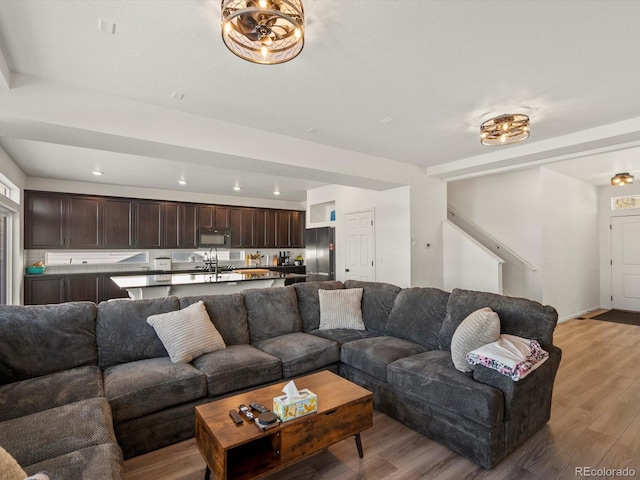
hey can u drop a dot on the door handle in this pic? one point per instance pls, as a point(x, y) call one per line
point(346, 269)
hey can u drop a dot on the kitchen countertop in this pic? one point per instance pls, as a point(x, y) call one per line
point(199, 278)
point(139, 272)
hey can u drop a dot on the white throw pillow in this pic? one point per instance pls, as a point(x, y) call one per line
point(478, 329)
point(9, 468)
point(341, 308)
point(187, 333)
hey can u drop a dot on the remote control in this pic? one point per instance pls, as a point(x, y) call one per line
point(236, 418)
point(259, 407)
point(244, 409)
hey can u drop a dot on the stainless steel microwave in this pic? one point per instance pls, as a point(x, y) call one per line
point(213, 237)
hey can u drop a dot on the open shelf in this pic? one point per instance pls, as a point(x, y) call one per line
point(320, 213)
point(254, 458)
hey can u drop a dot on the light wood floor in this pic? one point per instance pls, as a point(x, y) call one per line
point(595, 422)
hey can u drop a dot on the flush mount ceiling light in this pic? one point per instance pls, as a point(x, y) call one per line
point(505, 129)
point(97, 173)
point(263, 31)
point(620, 179)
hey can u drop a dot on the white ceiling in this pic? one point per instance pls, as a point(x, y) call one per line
point(80, 99)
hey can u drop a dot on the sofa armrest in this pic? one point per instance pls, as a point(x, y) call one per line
point(527, 402)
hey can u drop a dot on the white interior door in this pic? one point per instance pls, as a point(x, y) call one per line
point(359, 258)
point(625, 262)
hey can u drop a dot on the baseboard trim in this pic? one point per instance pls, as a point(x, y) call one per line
point(578, 314)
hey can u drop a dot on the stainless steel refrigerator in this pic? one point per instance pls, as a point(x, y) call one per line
point(320, 259)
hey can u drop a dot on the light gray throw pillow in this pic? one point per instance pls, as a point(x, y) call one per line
point(341, 309)
point(187, 333)
point(478, 329)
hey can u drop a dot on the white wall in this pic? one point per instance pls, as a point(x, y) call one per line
point(570, 244)
point(10, 172)
point(605, 193)
point(547, 218)
point(392, 227)
point(468, 264)
point(508, 207)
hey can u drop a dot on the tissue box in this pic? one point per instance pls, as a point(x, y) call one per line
point(299, 407)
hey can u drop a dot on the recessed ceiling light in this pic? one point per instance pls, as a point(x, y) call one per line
point(182, 182)
point(276, 192)
point(236, 188)
point(177, 95)
point(312, 130)
point(97, 173)
point(385, 120)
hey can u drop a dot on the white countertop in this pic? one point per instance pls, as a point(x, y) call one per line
point(167, 279)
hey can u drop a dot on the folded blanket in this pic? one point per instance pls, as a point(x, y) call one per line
point(515, 357)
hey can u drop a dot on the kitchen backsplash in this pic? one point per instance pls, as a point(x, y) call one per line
point(33, 256)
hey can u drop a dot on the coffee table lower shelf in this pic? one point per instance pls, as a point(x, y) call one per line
point(244, 452)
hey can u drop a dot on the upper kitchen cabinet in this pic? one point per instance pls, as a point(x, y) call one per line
point(241, 223)
point(265, 228)
point(283, 223)
point(149, 228)
point(214, 216)
point(180, 225)
point(118, 222)
point(55, 220)
point(297, 229)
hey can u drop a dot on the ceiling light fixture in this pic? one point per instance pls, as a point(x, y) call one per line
point(263, 31)
point(620, 179)
point(182, 182)
point(97, 173)
point(505, 129)
point(236, 188)
point(276, 192)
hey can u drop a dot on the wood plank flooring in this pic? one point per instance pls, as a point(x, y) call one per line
point(595, 422)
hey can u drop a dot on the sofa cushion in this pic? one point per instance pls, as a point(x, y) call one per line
point(237, 367)
point(32, 337)
point(478, 329)
point(431, 377)
point(341, 309)
point(300, 352)
point(102, 462)
point(309, 302)
point(344, 335)
point(372, 355)
point(271, 312)
point(518, 316)
point(58, 431)
point(377, 303)
point(417, 315)
point(138, 388)
point(53, 390)
point(228, 314)
point(187, 333)
point(122, 331)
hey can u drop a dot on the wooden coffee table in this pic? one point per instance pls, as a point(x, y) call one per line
point(245, 452)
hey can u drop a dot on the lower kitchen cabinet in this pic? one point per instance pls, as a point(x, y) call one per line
point(92, 287)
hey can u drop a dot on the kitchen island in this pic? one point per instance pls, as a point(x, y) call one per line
point(206, 283)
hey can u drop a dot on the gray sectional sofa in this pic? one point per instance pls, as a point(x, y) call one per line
point(84, 385)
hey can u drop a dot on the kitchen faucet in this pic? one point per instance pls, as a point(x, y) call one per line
point(211, 264)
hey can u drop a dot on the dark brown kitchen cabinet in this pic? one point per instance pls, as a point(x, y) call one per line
point(80, 288)
point(118, 222)
point(43, 290)
point(241, 223)
point(109, 289)
point(265, 228)
point(222, 217)
point(148, 224)
point(47, 289)
point(179, 225)
point(206, 215)
point(297, 229)
point(55, 220)
point(283, 224)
